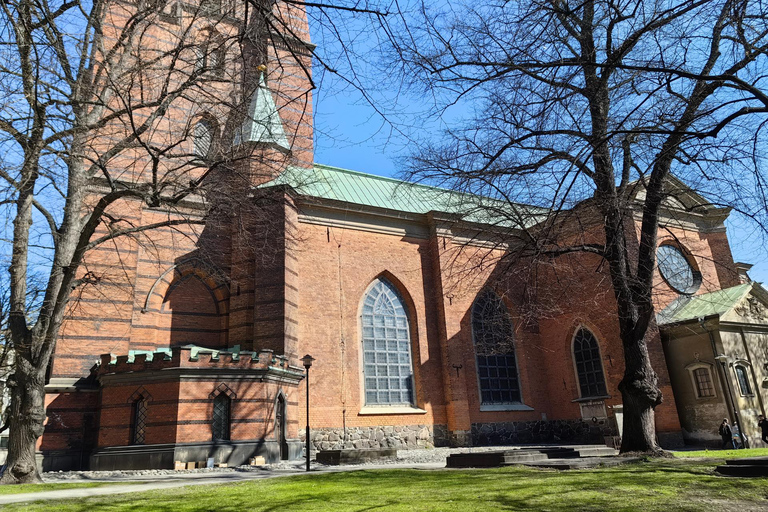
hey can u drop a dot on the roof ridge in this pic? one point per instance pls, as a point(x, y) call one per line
point(390, 179)
point(723, 290)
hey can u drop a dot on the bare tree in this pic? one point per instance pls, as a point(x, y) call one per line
point(98, 116)
point(588, 101)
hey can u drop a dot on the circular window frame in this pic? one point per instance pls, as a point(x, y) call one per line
point(686, 255)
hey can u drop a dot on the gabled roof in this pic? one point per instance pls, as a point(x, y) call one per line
point(717, 303)
point(342, 185)
point(262, 122)
point(679, 196)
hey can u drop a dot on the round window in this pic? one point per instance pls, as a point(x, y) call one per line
point(677, 270)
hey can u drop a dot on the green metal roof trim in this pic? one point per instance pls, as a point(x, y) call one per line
point(701, 306)
point(354, 187)
point(194, 351)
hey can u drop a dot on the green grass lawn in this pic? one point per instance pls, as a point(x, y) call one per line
point(21, 489)
point(724, 454)
point(659, 485)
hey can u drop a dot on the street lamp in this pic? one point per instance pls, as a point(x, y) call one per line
point(307, 361)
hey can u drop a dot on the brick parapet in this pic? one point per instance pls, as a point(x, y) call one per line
point(182, 357)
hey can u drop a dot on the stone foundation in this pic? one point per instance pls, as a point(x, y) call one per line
point(362, 438)
point(482, 434)
point(163, 456)
point(541, 432)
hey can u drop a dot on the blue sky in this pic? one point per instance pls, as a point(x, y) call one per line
point(350, 135)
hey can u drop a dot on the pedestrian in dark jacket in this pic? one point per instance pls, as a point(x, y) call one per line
point(763, 424)
point(726, 434)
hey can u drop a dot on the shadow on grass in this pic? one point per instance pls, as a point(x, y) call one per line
point(646, 486)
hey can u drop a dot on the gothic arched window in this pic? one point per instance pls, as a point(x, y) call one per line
point(589, 365)
point(494, 341)
point(139, 420)
point(221, 424)
point(386, 347)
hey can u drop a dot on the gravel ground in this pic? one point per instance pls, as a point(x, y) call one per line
point(404, 457)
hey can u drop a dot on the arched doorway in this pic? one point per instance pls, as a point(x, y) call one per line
point(280, 423)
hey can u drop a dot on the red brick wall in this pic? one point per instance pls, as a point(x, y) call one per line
point(72, 419)
point(335, 267)
point(440, 282)
point(181, 412)
point(257, 275)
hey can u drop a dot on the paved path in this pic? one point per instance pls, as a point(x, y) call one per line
point(153, 482)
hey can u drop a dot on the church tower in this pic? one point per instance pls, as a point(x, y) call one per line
point(183, 349)
point(274, 122)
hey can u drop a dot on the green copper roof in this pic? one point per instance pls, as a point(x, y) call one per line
point(359, 188)
point(704, 305)
point(262, 123)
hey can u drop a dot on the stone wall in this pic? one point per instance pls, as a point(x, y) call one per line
point(398, 436)
point(482, 434)
point(535, 432)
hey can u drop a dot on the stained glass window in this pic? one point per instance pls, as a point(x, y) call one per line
point(493, 337)
point(677, 270)
point(589, 367)
point(220, 426)
point(139, 421)
point(386, 347)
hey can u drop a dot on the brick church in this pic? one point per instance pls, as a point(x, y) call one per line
point(423, 333)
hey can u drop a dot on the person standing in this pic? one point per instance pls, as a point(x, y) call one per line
point(736, 434)
point(763, 424)
point(726, 434)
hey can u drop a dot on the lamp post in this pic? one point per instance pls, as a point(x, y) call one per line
point(307, 361)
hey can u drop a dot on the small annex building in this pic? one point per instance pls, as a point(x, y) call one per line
point(716, 343)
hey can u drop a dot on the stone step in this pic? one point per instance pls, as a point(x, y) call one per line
point(753, 461)
point(597, 451)
point(591, 462)
point(526, 455)
point(338, 457)
point(476, 460)
point(745, 470)
point(517, 458)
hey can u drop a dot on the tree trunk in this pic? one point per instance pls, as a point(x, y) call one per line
point(641, 394)
point(26, 424)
